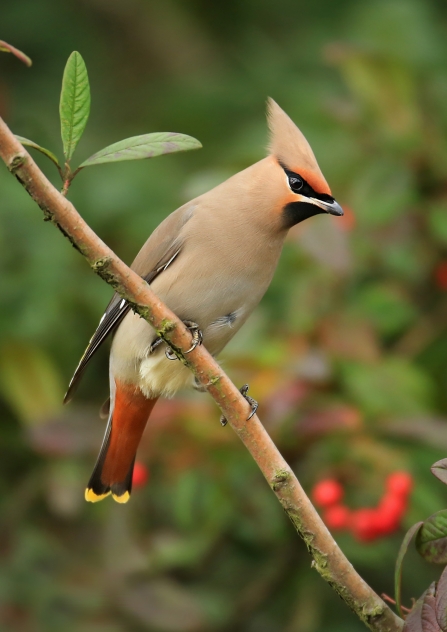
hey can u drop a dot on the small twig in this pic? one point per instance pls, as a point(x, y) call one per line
point(328, 558)
point(65, 187)
point(67, 177)
point(8, 48)
point(75, 173)
point(389, 599)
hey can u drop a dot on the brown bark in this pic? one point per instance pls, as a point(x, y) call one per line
point(328, 559)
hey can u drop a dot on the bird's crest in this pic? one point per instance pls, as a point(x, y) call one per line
point(291, 148)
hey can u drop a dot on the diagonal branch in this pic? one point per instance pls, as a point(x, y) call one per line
point(328, 559)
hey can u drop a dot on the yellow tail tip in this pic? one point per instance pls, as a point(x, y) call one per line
point(121, 499)
point(91, 497)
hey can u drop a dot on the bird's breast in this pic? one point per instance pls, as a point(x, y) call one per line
point(216, 281)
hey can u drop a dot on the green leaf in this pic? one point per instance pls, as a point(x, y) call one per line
point(74, 108)
point(7, 48)
point(439, 469)
point(145, 146)
point(431, 541)
point(400, 558)
point(46, 152)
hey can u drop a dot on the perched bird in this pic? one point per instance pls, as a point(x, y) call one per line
point(211, 262)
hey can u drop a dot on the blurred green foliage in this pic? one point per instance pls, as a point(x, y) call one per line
point(347, 354)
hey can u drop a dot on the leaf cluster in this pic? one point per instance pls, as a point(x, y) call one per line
point(74, 112)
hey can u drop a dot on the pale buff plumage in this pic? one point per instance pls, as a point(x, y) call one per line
point(228, 277)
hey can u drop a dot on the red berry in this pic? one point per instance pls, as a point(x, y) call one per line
point(390, 512)
point(364, 524)
point(441, 275)
point(393, 504)
point(336, 517)
point(327, 492)
point(399, 483)
point(140, 475)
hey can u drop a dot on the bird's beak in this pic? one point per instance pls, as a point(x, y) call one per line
point(329, 207)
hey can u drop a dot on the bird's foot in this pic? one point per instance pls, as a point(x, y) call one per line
point(197, 339)
point(197, 335)
point(253, 403)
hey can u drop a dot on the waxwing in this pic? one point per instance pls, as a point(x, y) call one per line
point(211, 262)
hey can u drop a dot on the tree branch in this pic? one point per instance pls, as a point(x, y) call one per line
point(328, 559)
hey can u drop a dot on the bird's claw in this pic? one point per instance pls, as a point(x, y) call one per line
point(253, 403)
point(170, 354)
point(157, 342)
point(197, 339)
point(197, 336)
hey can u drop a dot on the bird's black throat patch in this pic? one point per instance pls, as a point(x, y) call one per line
point(297, 212)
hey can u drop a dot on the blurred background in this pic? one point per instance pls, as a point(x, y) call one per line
point(347, 354)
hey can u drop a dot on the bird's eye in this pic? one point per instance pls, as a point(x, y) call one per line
point(295, 183)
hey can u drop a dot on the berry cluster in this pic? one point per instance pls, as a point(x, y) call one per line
point(368, 523)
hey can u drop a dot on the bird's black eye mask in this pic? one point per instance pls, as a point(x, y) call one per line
point(299, 185)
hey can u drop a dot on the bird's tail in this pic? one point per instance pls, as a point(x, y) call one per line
point(129, 412)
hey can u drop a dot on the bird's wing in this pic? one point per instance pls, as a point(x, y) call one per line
point(159, 251)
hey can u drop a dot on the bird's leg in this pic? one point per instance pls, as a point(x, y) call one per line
point(253, 403)
point(197, 339)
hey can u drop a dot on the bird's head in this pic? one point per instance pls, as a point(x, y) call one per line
point(304, 190)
